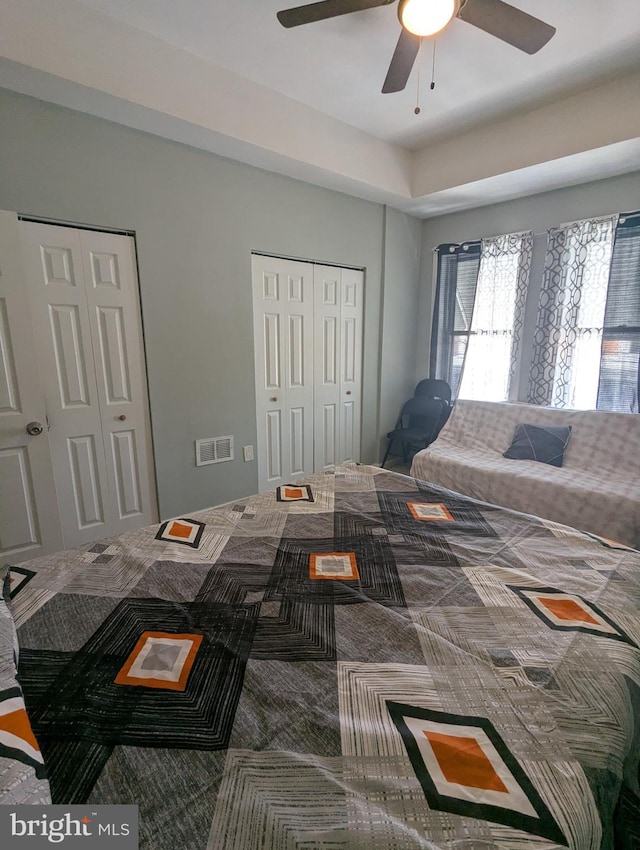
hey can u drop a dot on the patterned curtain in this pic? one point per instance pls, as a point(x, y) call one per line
point(568, 337)
point(493, 353)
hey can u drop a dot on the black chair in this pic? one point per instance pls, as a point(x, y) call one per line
point(417, 425)
point(434, 388)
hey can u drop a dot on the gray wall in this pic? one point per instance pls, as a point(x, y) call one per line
point(197, 217)
point(536, 213)
point(399, 317)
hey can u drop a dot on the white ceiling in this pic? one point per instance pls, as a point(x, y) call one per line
point(224, 75)
point(338, 66)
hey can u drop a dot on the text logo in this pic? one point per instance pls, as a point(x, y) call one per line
point(86, 827)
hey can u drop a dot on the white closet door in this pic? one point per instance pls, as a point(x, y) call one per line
point(84, 309)
point(351, 311)
point(327, 362)
point(29, 521)
point(283, 322)
point(55, 280)
point(338, 365)
point(109, 266)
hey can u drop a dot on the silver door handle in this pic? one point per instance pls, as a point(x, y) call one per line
point(34, 428)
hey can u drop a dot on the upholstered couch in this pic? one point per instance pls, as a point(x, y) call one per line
point(597, 489)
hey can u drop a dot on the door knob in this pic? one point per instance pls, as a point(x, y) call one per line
point(122, 417)
point(348, 392)
point(274, 398)
point(34, 428)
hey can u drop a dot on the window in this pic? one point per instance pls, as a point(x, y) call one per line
point(619, 379)
point(480, 297)
point(587, 264)
point(457, 277)
point(569, 336)
point(586, 344)
point(489, 357)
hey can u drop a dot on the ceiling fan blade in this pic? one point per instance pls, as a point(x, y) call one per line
point(325, 9)
point(401, 62)
point(507, 23)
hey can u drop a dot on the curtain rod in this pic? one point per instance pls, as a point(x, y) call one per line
point(622, 218)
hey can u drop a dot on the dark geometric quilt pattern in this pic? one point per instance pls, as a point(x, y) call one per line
point(377, 577)
point(413, 548)
point(431, 511)
point(287, 629)
point(292, 630)
point(349, 663)
point(74, 698)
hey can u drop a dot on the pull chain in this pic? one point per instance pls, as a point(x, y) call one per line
point(433, 67)
point(417, 109)
point(433, 73)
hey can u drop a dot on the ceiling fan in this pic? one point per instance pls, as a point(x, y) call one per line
point(421, 18)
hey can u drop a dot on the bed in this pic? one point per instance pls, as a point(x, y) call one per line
point(361, 661)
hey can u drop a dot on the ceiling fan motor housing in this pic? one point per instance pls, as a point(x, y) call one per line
point(435, 22)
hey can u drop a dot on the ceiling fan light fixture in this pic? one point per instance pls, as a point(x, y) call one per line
point(426, 17)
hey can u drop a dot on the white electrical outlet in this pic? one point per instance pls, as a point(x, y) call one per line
point(247, 452)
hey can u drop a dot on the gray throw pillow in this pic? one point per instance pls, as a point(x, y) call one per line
point(544, 443)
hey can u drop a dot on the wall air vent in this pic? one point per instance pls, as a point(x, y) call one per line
point(214, 450)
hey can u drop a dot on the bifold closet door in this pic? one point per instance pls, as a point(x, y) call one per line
point(338, 294)
point(85, 312)
point(283, 347)
point(29, 521)
point(308, 353)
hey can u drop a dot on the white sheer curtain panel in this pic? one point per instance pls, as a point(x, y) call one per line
point(495, 337)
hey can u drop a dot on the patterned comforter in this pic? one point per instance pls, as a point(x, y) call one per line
point(359, 662)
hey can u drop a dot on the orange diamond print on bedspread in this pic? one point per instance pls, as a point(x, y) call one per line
point(341, 566)
point(160, 660)
point(294, 493)
point(465, 768)
point(17, 740)
point(187, 531)
point(569, 612)
point(430, 511)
